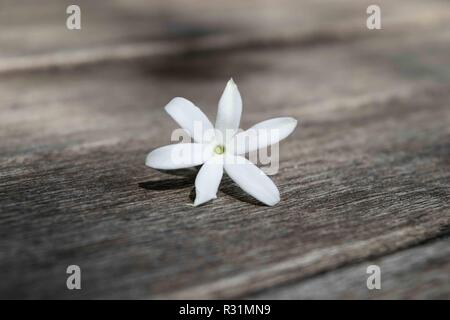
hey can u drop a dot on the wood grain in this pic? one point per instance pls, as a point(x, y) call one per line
point(422, 272)
point(365, 176)
point(126, 30)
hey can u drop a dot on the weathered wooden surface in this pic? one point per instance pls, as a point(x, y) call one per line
point(365, 176)
point(418, 273)
point(124, 30)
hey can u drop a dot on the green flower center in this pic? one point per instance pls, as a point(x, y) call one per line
point(219, 149)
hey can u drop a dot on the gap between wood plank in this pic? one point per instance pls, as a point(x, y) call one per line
point(348, 281)
point(284, 272)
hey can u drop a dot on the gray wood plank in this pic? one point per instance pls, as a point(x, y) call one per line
point(33, 35)
point(422, 272)
point(366, 173)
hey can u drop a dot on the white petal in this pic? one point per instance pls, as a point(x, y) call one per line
point(262, 135)
point(229, 111)
point(189, 117)
point(208, 180)
point(178, 156)
point(252, 179)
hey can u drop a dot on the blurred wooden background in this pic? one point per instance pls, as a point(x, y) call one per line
point(363, 180)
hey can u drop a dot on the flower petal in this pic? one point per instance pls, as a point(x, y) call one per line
point(189, 117)
point(252, 180)
point(178, 156)
point(208, 180)
point(262, 135)
point(229, 111)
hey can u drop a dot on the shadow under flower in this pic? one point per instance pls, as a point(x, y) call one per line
point(188, 178)
point(232, 189)
point(167, 184)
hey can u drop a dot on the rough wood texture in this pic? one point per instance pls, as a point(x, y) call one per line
point(365, 175)
point(418, 273)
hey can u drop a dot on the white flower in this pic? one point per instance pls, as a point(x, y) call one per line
point(221, 147)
